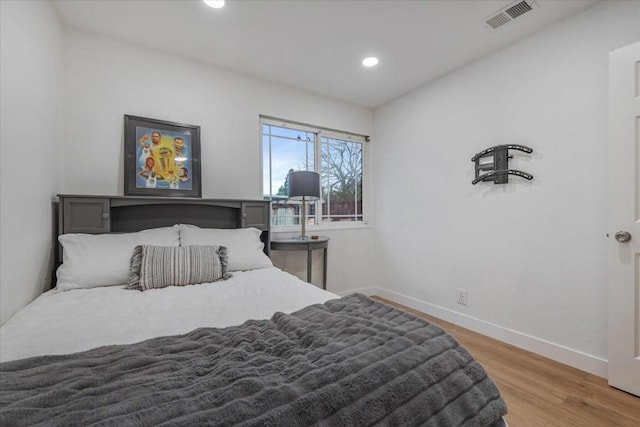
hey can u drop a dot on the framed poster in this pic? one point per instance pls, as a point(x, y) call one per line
point(161, 158)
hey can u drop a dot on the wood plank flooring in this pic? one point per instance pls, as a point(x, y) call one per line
point(541, 392)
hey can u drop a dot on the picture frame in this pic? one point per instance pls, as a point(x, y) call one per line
point(161, 158)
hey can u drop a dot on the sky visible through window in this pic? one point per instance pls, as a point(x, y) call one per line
point(290, 149)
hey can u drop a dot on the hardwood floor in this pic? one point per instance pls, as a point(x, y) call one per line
point(541, 392)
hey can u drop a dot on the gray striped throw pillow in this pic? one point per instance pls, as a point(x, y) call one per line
point(155, 267)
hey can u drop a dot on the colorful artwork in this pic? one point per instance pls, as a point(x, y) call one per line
point(161, 158)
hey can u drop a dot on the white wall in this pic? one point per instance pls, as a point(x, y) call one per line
point(532, 255)
point(106, 79)
point(30, 135)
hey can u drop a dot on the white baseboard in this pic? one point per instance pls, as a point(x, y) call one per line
point(574, 358)
point(367, 291)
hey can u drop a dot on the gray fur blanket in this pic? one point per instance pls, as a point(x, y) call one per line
point(350, 362)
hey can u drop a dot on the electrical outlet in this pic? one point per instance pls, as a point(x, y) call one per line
point(462, 296)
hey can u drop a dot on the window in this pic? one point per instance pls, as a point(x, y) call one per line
point(336, 156)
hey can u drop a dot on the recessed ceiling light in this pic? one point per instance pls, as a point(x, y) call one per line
point(370, 61)
point(217, 4)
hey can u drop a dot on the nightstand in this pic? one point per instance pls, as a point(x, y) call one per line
point(309, 245)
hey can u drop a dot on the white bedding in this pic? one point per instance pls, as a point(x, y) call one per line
point(60, 322)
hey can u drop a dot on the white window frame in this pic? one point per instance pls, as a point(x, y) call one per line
point(321, 132)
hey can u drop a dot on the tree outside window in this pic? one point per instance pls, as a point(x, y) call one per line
point(341, 180)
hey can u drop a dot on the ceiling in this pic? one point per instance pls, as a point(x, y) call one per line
point(318, 45)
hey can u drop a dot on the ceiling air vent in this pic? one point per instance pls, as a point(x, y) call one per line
point(518, 9)
point(498, 20)
point(509, 13)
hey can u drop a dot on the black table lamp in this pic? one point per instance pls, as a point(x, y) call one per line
point(305, 186)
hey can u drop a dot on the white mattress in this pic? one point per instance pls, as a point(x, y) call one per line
point(60, 322)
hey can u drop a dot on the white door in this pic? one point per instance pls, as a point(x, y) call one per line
point(624, 219)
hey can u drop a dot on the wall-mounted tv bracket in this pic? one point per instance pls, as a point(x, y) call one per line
point(499, 168)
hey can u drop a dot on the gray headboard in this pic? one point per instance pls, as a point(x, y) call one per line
point(119, 214)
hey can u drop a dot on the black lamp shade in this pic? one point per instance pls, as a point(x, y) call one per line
point(304, 184)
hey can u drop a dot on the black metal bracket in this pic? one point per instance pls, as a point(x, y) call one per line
point(499, 168)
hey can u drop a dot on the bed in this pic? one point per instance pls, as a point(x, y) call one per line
point(257, 346)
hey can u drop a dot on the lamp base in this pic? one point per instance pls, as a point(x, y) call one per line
point(303, 220)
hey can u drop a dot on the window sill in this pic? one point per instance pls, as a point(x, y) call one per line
point(312, 229)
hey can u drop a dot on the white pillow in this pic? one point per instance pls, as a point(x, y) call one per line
point(91, 260)
point(244, 247)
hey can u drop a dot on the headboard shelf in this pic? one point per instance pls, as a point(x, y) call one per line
point(139, 200)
